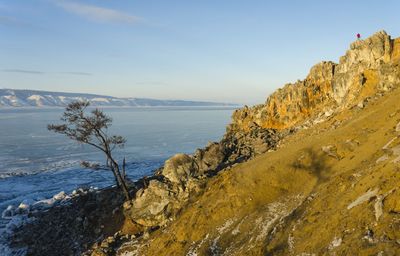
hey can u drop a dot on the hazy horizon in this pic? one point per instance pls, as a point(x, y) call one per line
point(104, 95)
point(225, 51)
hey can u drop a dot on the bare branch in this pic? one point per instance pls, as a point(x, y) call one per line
point(91, 129)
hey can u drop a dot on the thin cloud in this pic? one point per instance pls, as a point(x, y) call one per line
point(77, 73)
point(23, 71)
point(151, 83)
point(35, 72)
point(97, 14)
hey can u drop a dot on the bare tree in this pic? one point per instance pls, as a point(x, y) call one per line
point(91, 129)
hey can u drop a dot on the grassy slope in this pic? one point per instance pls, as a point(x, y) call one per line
point(295, 200)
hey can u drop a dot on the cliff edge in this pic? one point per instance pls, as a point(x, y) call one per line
point(371, 65)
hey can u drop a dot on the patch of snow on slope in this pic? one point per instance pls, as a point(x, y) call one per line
point(193, 249)
point(18, 216)
point(37, 99)
point(100, 100)
point(363, 198)
point(12, 100)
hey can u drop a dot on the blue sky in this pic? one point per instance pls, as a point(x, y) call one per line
point(220, 50)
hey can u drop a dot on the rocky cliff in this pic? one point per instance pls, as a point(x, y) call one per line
point(371, 65)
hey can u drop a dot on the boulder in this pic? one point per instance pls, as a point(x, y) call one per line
point(240, 145)
point(210, 158)
point(154, 205)
point(179, 168)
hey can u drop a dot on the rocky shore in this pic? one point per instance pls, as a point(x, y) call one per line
point(73, 226)
point(101, 223)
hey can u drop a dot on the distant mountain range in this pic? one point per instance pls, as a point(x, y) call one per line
point(32, 98)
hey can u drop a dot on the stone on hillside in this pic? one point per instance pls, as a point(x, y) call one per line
point(386, 147)
point(382, 158)
point(158, 203)
point(209, 158)
point(363, 198)
point(378, 207)
point(179, 168)
point(152, 206)
point(331, 151)
point(336, 242)
point(241, 145)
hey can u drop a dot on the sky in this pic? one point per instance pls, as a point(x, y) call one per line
point(236, 51)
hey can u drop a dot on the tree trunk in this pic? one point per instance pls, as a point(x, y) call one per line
point(110, 164)
point(123, 170)
point(117, 174)
point(122, 183)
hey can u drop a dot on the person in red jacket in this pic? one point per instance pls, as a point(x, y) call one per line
point(358, 36)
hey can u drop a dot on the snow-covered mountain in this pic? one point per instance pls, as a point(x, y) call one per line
point(31, 98)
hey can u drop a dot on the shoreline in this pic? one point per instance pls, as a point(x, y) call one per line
point(15, 215)
point(27, 219)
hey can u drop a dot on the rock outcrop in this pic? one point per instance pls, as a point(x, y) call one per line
point(184, 176)
point(369, 66)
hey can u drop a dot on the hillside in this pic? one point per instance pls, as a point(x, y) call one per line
point(328, 186)
point(32, 98)
point(329, 190)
